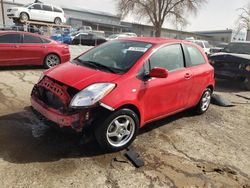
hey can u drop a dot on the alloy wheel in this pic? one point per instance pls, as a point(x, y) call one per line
point(205, 101)
point(120, 131)
point(52, 60)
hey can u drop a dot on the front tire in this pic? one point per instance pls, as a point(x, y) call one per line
point(24, 17)
point(204, 102)
point(117, 131)
point(51, 60)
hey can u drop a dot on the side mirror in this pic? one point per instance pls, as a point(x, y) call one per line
point(158, 73)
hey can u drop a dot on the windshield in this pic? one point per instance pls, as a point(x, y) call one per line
point(238, 48)
point(27, 5)
point(116, 56)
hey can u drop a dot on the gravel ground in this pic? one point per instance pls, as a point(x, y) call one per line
point(212, 150)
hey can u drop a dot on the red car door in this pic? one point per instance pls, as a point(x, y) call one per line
point(200, 71)
point(33, 50)
point(164, 96)
point(9, 49)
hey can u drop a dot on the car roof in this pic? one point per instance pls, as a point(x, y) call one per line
point(23, 32)
point(154, 40)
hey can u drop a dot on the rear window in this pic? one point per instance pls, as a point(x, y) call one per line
point(37, 6)
point(238, 48)
point(47, 8)
point(10, 38)
point(57, 10)
point(196, 58)
point(45, 40)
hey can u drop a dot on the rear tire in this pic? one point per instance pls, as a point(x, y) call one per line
point(117, 131)
point(204, 102)
point(51, 60)
point(24, 17)
point(58, 21)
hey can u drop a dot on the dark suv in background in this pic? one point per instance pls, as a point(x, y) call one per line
point(233, 62)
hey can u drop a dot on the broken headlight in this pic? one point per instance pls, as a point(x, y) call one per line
point(91, 95)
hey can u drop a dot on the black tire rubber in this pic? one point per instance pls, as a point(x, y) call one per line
point(198, 109)
point(102, 125)
point(21, 15)
point(247, 83)
point(59, 23)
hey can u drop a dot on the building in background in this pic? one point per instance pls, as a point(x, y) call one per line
point(111, 24)
point(226, 36)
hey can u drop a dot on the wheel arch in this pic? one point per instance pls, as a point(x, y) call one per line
point(211, 87)
point(25, 13)
point(134, 109)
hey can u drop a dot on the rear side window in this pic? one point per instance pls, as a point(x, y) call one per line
point(169, 57)
point(45, 40)
point(10, 38)
point(57, 10)
point(47, 8)
point(31, 39)
point(196, 58)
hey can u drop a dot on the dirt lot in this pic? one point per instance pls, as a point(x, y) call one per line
point(212, 150)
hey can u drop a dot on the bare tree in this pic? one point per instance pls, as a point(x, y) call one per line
point(244, 18)
point(157, 11)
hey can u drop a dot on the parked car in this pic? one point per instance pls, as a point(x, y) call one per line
point(121, 35)
point(89, 39)
point(64, 38)
point(233, 62)
point(204, 44)
point(218, 48)
point(39, 12)
point(22, 48)
point(119, 86)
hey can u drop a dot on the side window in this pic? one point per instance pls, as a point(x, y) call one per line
point(37, 7)
point(196, 58)
point(45, 40)
point(31, 39)
point(10, 38)
point(47, 8)
point(169, 57)
point(57, 10)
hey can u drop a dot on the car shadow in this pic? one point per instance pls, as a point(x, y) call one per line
point(10, 68)
point(25, 139)
point(226, 86)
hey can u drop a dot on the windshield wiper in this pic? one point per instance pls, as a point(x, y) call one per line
point(98, 66)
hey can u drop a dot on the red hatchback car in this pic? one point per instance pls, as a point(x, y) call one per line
point(119, 86)
point(22, 48)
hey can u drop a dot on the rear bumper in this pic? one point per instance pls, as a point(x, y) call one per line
point(76, 121)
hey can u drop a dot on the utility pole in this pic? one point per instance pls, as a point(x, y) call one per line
point(3, 13)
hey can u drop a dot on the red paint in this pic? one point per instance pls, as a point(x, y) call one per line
point(154, 98)
point(31, 54)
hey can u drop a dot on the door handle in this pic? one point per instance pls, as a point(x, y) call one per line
point(44, 46)
point(188, 76)
point(15, 46)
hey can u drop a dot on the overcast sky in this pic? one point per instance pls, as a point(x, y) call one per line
point(215, 15)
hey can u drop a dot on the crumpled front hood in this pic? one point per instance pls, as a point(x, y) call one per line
point(78, 76)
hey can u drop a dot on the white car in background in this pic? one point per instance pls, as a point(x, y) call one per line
point(121, 35)
point(38, 12)
point(204, 44)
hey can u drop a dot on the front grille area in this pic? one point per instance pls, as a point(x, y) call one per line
point(54, 94)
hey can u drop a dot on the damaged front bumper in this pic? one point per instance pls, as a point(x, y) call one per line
point(51, 100)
